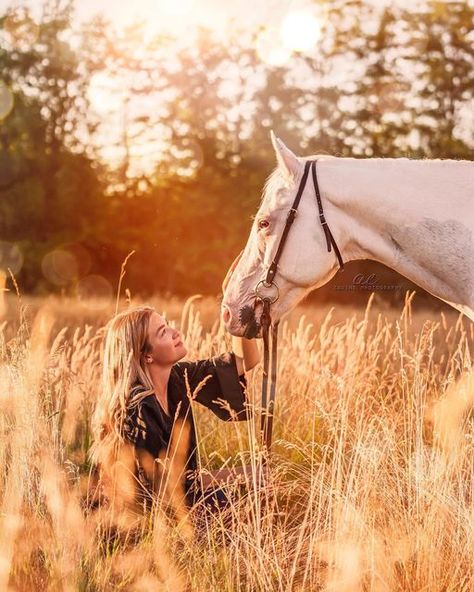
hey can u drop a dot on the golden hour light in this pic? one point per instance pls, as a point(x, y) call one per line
point(60, 267)
point(106, 92)
point(236, 295)
point(176, 7)
point(300, 31)
point(21, 29)
point(270, 49)
point(11, 257)
point(215, 18)
point(94, 292)
point(6, 100)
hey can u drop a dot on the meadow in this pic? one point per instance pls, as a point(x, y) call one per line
point(369, 486)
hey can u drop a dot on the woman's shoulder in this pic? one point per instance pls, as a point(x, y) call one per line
point(142, 416)
point(226, 359)
point(215, 382)
point(138, 400)
point(138, 393)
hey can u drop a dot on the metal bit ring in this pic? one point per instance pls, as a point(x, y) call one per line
point(262, 288)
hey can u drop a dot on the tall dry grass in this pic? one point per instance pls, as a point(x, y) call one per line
point(370, 484)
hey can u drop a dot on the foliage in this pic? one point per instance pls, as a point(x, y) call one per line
point(382, 82)
point(359, 493)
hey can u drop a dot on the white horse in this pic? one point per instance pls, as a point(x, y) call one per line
point(415, 216)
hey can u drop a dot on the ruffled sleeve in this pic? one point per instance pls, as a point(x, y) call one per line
point(216, 384)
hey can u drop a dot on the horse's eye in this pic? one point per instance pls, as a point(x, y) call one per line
point(262, 224)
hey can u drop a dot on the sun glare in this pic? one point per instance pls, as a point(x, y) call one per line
point(176, 7)
point(300, 31)
point(105, 93)
point(275, 44)
point(270, 50)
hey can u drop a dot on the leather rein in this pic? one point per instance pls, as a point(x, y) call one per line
point(261, 292)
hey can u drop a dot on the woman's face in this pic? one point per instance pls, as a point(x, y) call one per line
point(166, 344)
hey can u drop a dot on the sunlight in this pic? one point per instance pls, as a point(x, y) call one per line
point(215, 17)
point(270, 50)
point(11, 258)
point(176, 7)
point(105, 92)
point(6, 101)
point(21, 30)
point(300, 31)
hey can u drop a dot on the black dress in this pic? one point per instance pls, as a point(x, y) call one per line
point(215, 383)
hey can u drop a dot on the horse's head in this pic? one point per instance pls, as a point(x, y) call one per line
point(305, 263)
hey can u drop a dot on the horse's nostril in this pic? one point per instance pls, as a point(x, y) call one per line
point(226, 314)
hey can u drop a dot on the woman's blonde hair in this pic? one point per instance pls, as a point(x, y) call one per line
point(125, 379)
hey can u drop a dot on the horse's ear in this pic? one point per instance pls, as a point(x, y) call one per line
point(287, 161)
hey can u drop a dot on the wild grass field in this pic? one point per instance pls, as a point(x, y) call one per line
point(369, 487)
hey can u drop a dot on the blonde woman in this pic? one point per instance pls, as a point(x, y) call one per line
point(146, 392)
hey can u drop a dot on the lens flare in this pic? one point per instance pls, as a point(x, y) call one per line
point(300, 31)
point(6, 101)
point(270, 50)
point(10, 257)
point(81, 255)
point(95, 292)
point(59, 267)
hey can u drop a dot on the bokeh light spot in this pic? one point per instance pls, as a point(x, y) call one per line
point(6, 101)
point(300, 31)
point(189, 154)
point(95, 292)
point(21, 30)
point(81, 255)
point(270, 50)
point(10, 257)
point(59, 267)
point(106, 93)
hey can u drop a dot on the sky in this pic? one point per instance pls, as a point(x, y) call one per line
point(296, 21)
point(180, 18)
point(181, 15)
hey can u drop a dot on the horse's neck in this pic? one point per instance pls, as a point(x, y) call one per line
point(416, 217)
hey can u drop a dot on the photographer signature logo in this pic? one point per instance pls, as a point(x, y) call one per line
point(368, 282)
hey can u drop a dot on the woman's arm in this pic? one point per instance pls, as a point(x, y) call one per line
point(247, 355)
point(219, 477)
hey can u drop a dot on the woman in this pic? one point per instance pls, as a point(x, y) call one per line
point(144, 405)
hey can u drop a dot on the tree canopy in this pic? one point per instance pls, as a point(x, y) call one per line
point(172, 163)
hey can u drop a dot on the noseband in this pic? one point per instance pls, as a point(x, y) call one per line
point(267, 293)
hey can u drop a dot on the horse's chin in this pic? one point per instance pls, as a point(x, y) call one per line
point(252, 331)
point(288, 302)
point(249, 321)
point(250, 314)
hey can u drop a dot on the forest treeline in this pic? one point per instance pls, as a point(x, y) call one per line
point(382, 82)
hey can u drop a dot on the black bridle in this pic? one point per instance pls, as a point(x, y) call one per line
point(267, 300)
